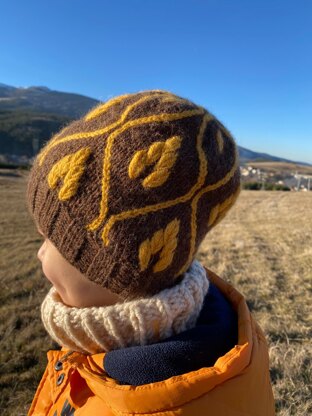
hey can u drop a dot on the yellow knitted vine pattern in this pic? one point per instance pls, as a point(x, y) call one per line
point(164, 240)
point(69, 169)
point(171, 202)
point(164, 153)
point(158, 118)
point(219, 211)
point(194, 203)
point(95, 133)
point(102, 108)
point(220, 141)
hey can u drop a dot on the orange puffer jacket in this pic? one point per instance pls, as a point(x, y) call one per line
point(237, 385)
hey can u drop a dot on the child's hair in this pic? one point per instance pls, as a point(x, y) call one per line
point(128, 192)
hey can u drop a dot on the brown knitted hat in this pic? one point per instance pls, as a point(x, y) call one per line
point(128, 192)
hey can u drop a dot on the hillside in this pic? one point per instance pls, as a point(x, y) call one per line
point(44, 100)
point(247, 156)
point(23, 133)
point(287, 167)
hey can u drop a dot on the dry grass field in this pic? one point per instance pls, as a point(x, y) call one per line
point(284, 167)
point(264, 247)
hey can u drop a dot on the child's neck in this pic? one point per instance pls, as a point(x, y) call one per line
point(138, 322)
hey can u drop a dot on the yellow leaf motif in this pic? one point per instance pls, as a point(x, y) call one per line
point(69, 169)
point(164, 153)
point(164, 240)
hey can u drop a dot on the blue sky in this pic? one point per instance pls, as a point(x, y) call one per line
point(248, 62)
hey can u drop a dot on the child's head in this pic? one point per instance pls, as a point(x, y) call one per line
point(126, 194)
point(70, 283)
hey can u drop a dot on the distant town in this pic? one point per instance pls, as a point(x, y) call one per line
point(280, 176)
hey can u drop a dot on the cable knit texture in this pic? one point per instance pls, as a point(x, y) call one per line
point(138, 322)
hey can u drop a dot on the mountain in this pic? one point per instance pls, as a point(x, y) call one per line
point(23, 133)
point(6, 87)
point(248, 156)
point(30, 116)
point(44, 100)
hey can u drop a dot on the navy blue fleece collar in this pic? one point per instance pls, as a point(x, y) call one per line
point(215, 334)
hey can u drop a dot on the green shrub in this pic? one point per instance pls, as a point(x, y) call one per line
point(256, 186)
point(7, 165)
point(253, 186)
point(279, 187)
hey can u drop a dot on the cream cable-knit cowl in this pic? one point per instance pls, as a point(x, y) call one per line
point(137, 322)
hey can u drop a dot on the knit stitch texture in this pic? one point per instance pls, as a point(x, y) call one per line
point(128, 192)
point(138, 322)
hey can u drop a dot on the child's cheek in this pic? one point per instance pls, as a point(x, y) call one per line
point(52, 275)
point(49, 272)
point(53, 280)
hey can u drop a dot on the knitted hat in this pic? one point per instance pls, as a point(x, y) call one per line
point(128, 192)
